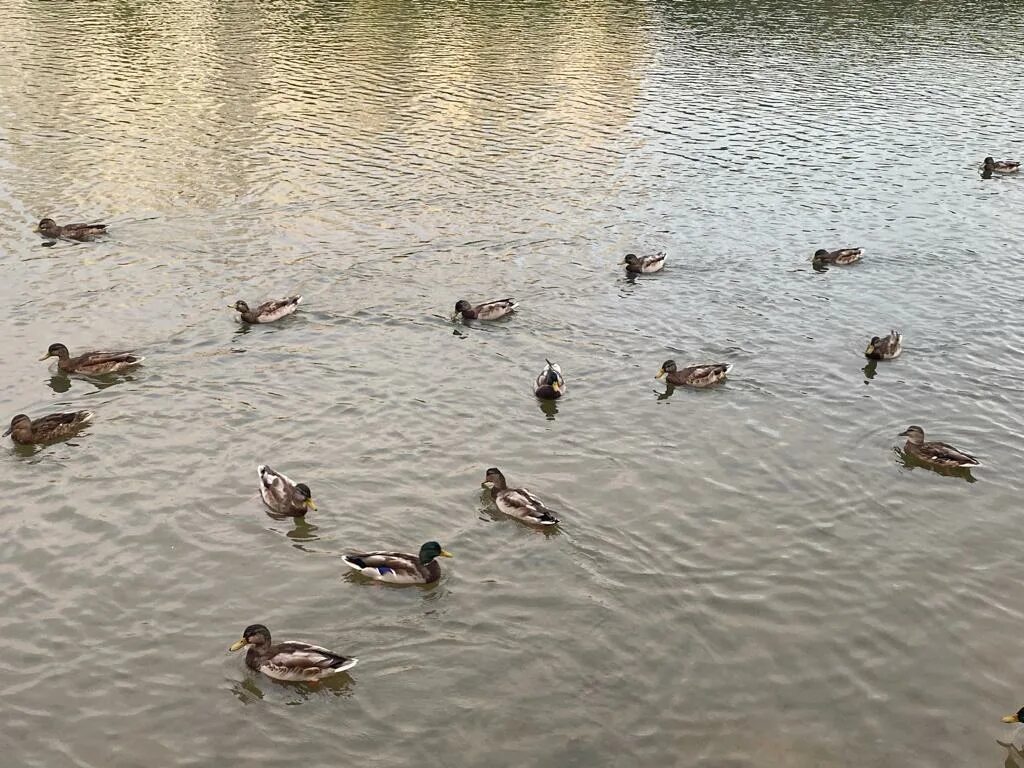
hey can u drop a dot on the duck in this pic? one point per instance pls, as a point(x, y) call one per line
point(92, 363)
point(644, 264)
point(268, 311)
point(839, 257)
point(283, 496)
point(399, 567)
point(938, 454)
point(1017, 739)
point(991, 165)
point(550, 384)
point(703, 375)
point(489, 310)
point(50, 228)
point(885, 348)
point(47, 429)
point(290, 661)
point(517, 502)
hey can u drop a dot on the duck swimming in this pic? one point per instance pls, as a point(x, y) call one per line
point(489, 310)
point(695, 375)
point(399, 567)
point(283, 496)
point(991, 165)
point(92, 363)
point(937, 454)
point(50, 228)
point(290, 661)
point(885, 348)
point(268, 311)
point(517, 502)
point(644, 264)
point(47, 429)
point(839, 257)
point(550, 384)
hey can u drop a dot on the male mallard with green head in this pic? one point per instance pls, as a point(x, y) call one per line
point(399, 567)
point(644, 264)
point(282, 495)
point(50, 228)
point(839, 257)
point(91, 363)
point(489, 310)
point(550, 384)
point(268, 311)
point(938, 454)
point(48, 429)
point(517, 502)
point(290, 661)
point(885, 348)
point(703, 375)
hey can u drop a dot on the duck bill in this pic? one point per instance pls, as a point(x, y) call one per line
point(905, 433)
point(47, 356)
point(557, 387)
point(661, 373)
point(446, 553)
point(1011, 719)
point(870, 350)
point(310, 504)
point(6, 432)
point(239, 645)
point(484, 484)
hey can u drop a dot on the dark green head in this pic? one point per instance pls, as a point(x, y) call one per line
point(432, 550)
point(56, 350)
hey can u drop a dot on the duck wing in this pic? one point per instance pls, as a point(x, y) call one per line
point(396, 567)
point(302, 661)
point(491, 310)
point(275, 309)
point(275, 488)
point(55, 421)
point(105, 362)
point(944, 453)
point(523, 505)
point(704, 374)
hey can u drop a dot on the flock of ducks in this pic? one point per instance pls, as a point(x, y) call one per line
point(303, 662)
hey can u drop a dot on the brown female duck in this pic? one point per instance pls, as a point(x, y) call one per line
point(291, 661)
point(50, 228)
point(517, 502)
point(91, 363)
point(937, 454)
point(48, 429)
point(694, 375)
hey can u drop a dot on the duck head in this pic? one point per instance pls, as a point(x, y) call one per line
point(48, 227)
point(56, 350)
point(302, 490)
point(669, 366)
point(240, 306)
point(18, 423)
point(1016, 717)
point(494, 479)
point(432, 550)
point(254, 634)
point(914, 434)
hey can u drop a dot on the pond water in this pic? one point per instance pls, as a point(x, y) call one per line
point(744, 576)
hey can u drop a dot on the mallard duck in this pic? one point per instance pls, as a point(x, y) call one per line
point(290, 660)
point(549, 385)
point(939, 454)
point(1017, 739)
point(489, 310)
point(399, 567)
point(268, 311)
point(517, 502)
point(283, 496)
point(91, 363)
point(694, 375)
point(48, 429)
point(50, 228)
point(839, 257)
point(992, 165)
point(647, 264)
point(885, 348)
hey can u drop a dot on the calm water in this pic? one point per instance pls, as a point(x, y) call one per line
point(747, 576)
